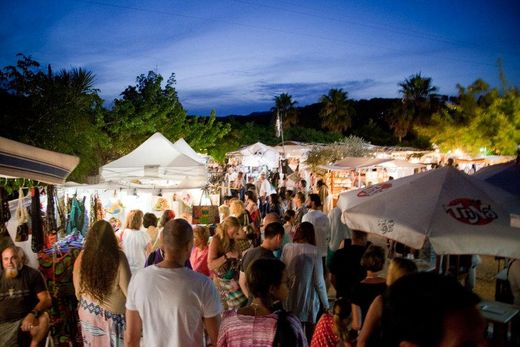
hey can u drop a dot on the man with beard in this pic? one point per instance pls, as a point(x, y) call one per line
point(23, 300)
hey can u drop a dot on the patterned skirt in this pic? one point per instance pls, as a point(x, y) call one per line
point(100, 327)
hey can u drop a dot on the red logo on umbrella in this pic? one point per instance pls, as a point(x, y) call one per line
point(470, 211)
point(378, 188)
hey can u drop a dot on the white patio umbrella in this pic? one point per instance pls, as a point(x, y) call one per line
point(458, 213)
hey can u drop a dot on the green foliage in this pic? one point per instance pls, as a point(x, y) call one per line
point(418, 104)
point(49, 110)
point(336, 113)
point(147, 108)
point(311, 135)
point(481, 117)
point(351, 146)
point(208, 135)
point(143, 110)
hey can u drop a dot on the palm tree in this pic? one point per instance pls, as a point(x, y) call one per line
point(417, 95)
point(285, 110)
point(336, 113)
point(418, 103)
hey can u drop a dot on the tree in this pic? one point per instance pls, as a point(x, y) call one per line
point(336, 113)
point(480, 117)
point(351, 146)
point(49, 110)
point(418, 103)
point(147, 108)
point(285, 108)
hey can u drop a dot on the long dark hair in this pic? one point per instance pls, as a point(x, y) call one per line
point(100, 261)
point(262, 275)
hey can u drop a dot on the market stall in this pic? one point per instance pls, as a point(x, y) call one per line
point(37, 233)
point(156, 176)
point(353, 172)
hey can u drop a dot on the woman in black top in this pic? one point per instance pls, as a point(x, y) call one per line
point(368, 289)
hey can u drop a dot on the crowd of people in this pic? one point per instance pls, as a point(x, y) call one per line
point(261, 277)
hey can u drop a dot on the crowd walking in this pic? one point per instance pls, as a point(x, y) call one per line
point(255, 280)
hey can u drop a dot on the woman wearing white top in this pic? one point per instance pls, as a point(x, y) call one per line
point(136, 243)
point(305, 275)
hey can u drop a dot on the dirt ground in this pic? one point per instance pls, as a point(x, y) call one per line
point(486, 272)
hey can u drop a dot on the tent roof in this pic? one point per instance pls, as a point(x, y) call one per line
point(159, 160)
point(21, 160)
point(400, 163)
point(157, 150)
point(257, 149)
point(354, 163)
point(183, 147)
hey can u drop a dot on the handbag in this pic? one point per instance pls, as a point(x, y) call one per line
point(234, 296)
point(22, 216)
point(227, 283)
point(205, 214)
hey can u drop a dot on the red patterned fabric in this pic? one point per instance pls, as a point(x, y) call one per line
point(324, 334)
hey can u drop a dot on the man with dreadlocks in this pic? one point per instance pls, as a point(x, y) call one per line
point(101, 276)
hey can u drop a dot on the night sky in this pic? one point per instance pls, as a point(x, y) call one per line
point(235, 56)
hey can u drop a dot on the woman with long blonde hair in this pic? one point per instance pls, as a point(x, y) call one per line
point(101, 275)
point(223, 260)
point(237, 209)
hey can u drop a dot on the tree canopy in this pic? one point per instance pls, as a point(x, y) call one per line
point(481, 117)
point(50, 110)
point(417, 105)
point(336, 113)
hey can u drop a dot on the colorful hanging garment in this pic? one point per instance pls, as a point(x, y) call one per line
point(36, 221)
point(50, 217)
point(76, 220)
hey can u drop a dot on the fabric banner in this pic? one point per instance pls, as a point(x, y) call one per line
point(205, 215)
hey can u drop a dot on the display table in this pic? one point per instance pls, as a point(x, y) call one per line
point(500, 315)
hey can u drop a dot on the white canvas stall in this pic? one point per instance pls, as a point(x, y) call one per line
point(259, 154)
point(158, 162)
point(398, 168)
point(184, 148)
point(354, 163)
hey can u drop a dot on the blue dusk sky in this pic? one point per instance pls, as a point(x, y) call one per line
point(236, 56)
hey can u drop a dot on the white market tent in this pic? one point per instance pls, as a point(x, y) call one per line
point(354, 163)
point(186, 149)
point(259, 154)
point(158, 163)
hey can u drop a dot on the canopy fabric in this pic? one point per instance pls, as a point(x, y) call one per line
point(399, 163)
point(24, 161)
point(505, 176)
point(458, 213)
point(186, 149)
point(259, 154)
point(354, 163)
point(159, 161)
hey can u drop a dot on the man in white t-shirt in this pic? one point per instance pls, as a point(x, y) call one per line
point(170, 303)
point(321, 224)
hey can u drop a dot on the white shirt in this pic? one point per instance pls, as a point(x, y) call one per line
point(321, 229)
point(134, 245)
point(338, 230)
point(171, 304)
